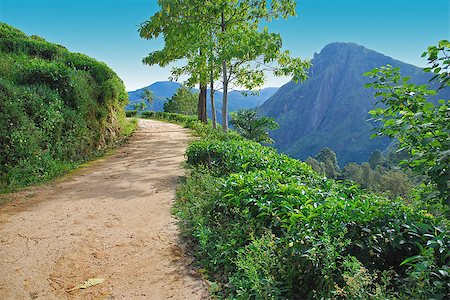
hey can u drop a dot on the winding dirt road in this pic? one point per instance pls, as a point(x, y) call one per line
point(110, 220)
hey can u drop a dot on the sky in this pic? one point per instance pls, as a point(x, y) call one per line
point(107, 29)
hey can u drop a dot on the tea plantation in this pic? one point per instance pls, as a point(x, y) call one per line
point(57, 108)
point(265, 226)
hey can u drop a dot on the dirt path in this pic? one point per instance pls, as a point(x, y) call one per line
point(110, 220)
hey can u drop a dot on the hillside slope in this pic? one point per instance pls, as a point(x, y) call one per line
point(330, 109)
point(56, 108)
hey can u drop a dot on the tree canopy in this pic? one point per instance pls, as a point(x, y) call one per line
point(183, 102)
point(420, 127)
point(222, 38)
point(249, 125)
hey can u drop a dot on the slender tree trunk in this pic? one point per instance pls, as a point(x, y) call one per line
point(199, 104)
point(225, 87)
point(205, 113)
point(202, 116)
point(225, 97)
point(201, 108)
point(211, 91)
point(211, 81)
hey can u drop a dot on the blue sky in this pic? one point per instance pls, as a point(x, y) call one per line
point(107, 29)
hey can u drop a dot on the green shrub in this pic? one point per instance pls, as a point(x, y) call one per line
point(31, 47)
point(131, 113)
point(56, 109)
point(188, 121)
point(234, 155)
point(253, 127)
point(266, 226)
point(8, 31)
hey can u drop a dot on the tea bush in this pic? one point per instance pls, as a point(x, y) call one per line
point(265, 226)
point(186, 120)
point(56, 108)
point(131, 113)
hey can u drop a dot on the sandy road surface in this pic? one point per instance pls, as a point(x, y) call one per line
point(110, 220)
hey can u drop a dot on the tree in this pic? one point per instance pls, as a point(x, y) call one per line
point(249, 125)
point(376, 158)
point(179, 22)
point(395, 183)
point(149, 97)
point(438, 59)
point(182, 102)
point(138, 107)
point(352, 171)
point(246, 49)
point(222, 34)
point(367, 176)
point(315, 165)
point(419, 126)
point(329, 160)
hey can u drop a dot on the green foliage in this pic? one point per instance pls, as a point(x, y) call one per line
point(233, 155)
point(392, 182)
point(149, 98)
point(421, 127)
point(249, 125)
point(56, 108)
point(315, 165)
point(376, 159)
point(380, 175)
point(329, 163)
point(438, 59)
point(184, 101)
point(214, 40)
point(131, 113)
point(139, 107)
point(266, 226)
point(187, 121)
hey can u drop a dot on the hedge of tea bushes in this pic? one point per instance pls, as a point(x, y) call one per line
point(265, 226)
point(57, 108)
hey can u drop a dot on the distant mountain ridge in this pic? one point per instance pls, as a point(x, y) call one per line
point(330, 109)
point(166, 89)
point(161, 90)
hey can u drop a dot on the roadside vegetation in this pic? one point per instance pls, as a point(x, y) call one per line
point(261, 225)
point(57, 109)
point(266, 226)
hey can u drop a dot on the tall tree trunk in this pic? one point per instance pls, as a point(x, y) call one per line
point(201, 112)
point(225, 97)
point(211, 91)
point(199, 104)
point(211, 82)
point(201, 108)
point(205, 113)
point(225, 87)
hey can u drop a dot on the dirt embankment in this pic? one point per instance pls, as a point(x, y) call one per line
point(110, 220)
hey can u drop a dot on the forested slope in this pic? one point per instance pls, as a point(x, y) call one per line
point(330, 109)
point(56, 108)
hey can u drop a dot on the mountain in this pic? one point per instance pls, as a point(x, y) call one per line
point(236, 100)
point(330, 109)
point(161, 90)
point(239, 101)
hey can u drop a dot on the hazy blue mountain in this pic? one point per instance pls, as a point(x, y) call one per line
point(330, 109)
point(161, 90)
point(165, 89)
